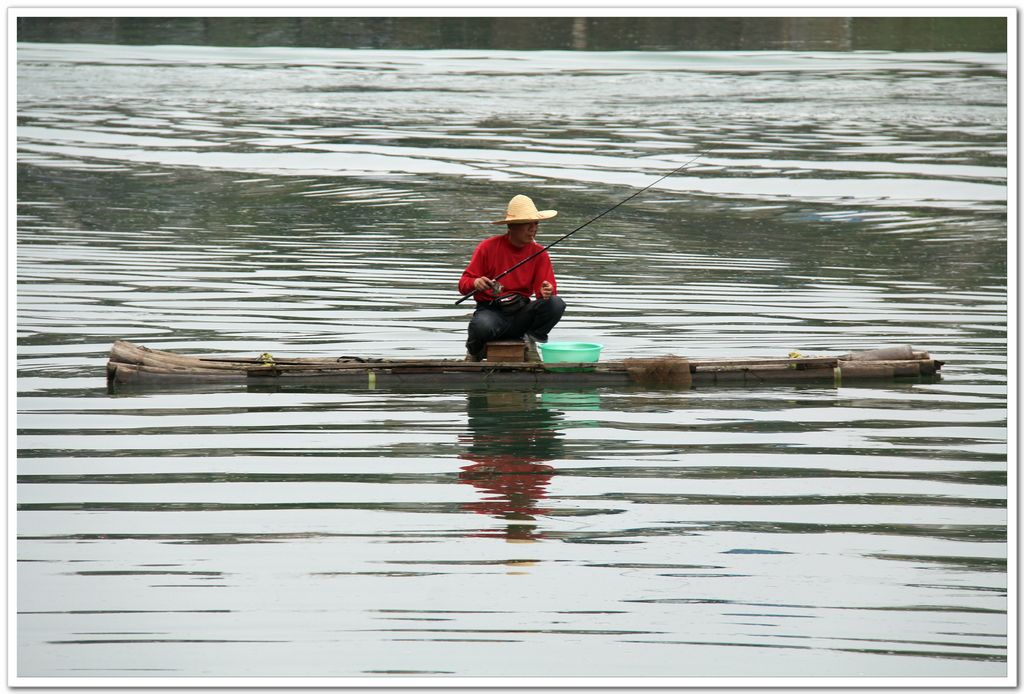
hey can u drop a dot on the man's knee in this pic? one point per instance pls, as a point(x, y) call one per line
point(551, 309)
point(545, 314)
point(485, 324)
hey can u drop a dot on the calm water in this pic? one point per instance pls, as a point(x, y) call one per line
point(324, 201)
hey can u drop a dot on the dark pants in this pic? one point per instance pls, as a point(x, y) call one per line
point(536, 318)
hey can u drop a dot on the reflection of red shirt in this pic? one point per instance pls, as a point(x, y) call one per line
point(510, 484)
point(495, 255)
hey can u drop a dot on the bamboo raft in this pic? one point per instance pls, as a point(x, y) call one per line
point(132, 364)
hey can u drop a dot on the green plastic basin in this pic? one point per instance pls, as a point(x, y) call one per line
point(556, 352)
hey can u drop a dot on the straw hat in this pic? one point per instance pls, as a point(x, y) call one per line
point(521, 210)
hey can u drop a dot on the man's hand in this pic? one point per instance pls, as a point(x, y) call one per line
point(546, 289)
point(482, 283)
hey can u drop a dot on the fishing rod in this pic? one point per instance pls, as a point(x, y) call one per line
point(557, 241)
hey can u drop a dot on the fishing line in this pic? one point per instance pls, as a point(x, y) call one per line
point(587, 223)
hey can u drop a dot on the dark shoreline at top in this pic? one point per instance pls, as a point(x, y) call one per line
point(972, 34)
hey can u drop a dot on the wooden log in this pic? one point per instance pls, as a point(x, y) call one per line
point(174, 369)
point(799, 362)
point(897, 368)
point(864, 370)
point(128, 353)
point(754, 375)
point(396, 366)
point(135, 373)
point(758, 366)
point(901, 353)
point(847, 370)
point(132, 374)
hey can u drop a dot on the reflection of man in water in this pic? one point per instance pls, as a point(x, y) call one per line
point(511, 438)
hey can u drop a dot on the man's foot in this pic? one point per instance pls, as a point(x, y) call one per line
point(474, 357)
point(531, 347)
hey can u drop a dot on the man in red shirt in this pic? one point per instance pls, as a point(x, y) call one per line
point(504, 311)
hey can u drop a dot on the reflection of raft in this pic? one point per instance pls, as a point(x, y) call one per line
point(133, 364)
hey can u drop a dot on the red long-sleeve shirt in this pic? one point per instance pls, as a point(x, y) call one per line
point(495, 255)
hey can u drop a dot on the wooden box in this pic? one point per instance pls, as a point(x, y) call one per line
point(506, 350)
